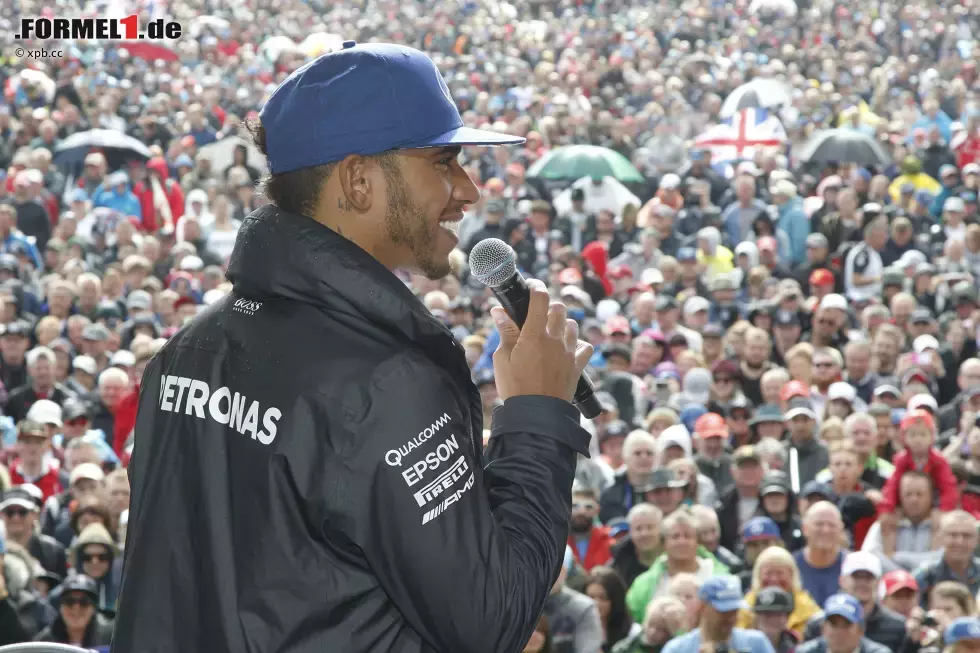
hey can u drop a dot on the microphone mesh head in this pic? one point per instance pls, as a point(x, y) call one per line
point(493, 262)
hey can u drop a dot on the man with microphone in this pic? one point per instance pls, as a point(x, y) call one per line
point(307, 472)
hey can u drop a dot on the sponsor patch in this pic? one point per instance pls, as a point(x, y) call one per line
point(181, 394)
point(444, 505)
point(394, 457)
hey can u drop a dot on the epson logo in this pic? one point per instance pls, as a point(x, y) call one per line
point(180, 394)
point(432, 460)
point(246, 306)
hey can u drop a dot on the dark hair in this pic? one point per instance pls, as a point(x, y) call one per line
point(619, 622)
point(298, 191)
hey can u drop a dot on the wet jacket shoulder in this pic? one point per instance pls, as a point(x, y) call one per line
point(300, 450)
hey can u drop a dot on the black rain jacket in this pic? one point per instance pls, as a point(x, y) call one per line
point(308, 474)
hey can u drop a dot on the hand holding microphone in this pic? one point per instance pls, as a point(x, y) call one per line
point(539, 352)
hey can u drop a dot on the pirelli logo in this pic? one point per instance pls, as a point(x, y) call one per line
point(442, 483)
point(448, 501)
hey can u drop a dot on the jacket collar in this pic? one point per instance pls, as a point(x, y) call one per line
point(278, 254)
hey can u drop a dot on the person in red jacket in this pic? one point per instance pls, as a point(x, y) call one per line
point(34, 463)
point(161, 198)
point(918, 434)
point(590, 543)
point(125, 416)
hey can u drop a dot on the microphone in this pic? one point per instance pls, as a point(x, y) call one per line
point(494, 263)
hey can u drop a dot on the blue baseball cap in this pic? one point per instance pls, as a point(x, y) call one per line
point(364, 99)
point(962, 628)
point(687, 254)
point(760, 528)
point(724, 593)
point(844, 605)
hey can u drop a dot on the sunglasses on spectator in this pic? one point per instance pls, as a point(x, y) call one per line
point(95, 557)
point(15, 512)
point(77, 601)
point(78, 421)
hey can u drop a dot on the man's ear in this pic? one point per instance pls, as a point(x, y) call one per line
point(355, 184)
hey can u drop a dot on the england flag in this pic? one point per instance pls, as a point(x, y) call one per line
point(737, 138)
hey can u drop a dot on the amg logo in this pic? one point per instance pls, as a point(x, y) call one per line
point(246, 306)
point(448, 501)
point(442, 483)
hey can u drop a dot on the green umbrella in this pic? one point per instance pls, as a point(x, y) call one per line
point(572, 162)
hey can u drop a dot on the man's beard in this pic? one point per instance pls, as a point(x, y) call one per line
point(580, 525)
point(406, 225)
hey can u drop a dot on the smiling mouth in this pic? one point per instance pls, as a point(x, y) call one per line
point(451, 223)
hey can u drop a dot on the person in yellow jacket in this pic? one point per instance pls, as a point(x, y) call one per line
point(911, 169)
point(775, 567)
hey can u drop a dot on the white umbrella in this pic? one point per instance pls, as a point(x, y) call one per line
point(761, 92)
point(784, 7)
point(35, 78)
point(273, 46)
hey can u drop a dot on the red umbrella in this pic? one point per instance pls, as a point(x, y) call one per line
point(149, 51)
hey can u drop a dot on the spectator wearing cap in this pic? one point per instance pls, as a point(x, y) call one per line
point(721, 600)
point(19, 512)
point(711, 437)
point(899, 592)
point(807, 455)
point(907, 543)
point(643, 545)
point(779, 505)
point(842, 629)
point(863, 266)
point(79, 621)
point(34, 463)
point(758, 534)
point(41, 363)
point(639, 454)
point(772, 609)
point(572, 616)
point(738, 415)
point(665, 489)
point(918, 434)
point(830, 323)
point(958, 541)
point(682, 554)
point(590, 543)
point(741, 502)
point(860, 578)
point(962, 635)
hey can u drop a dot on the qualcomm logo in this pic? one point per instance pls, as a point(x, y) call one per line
point(449, 500)
point(246, 306)
point(394, 456)
point(180, 394)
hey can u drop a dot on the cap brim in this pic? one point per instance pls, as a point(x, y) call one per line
point(729, 606)
point(903, 585)
point(790, 414)
point(773, 489)
point(469, 136)
point(26, 504)
point(837, 613)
